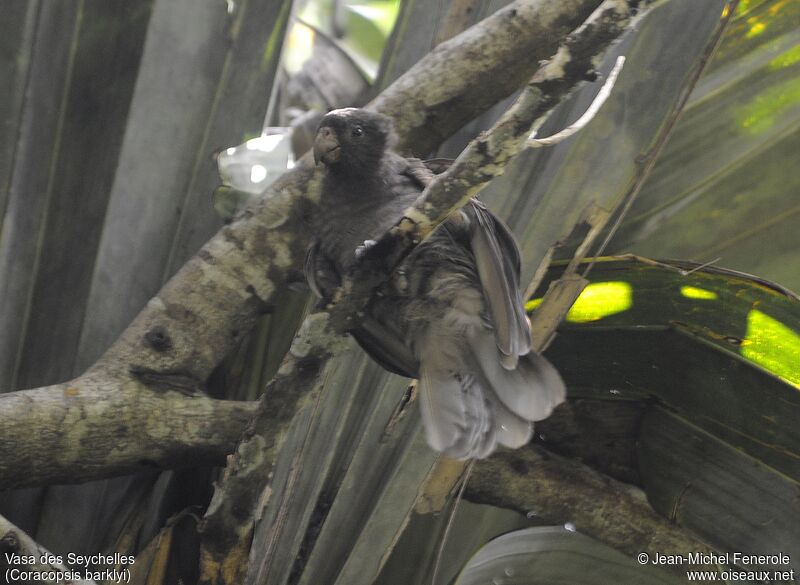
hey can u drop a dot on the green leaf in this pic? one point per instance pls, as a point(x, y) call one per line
point(720, 348)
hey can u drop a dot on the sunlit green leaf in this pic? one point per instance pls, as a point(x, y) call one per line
point(599, 300)
point(773, 345)
point(695, 292)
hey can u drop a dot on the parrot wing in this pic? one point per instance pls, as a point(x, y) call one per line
point(498, 262)
point(497, 259)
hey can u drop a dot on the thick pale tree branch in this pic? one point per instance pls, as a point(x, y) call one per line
point(227, 534)
point(202, 313)
point(79, 430)
point(528, 32)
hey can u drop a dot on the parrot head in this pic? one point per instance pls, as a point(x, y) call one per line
point(353, 139)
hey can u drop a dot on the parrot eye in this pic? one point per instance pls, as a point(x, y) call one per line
point(357, 131)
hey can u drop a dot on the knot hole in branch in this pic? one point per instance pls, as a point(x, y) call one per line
point(158, 338)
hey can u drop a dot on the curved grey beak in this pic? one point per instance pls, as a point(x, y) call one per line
point(326, 146)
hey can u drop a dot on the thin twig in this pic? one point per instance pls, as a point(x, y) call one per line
point(696, 268)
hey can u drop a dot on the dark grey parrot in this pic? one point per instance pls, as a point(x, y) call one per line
point(451, 315)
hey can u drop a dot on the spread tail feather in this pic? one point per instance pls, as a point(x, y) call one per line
point(531, 391)
point(457, 421)
point(467, 415)
point(464, 420)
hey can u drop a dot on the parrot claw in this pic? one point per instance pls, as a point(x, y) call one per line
point(361, 250)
